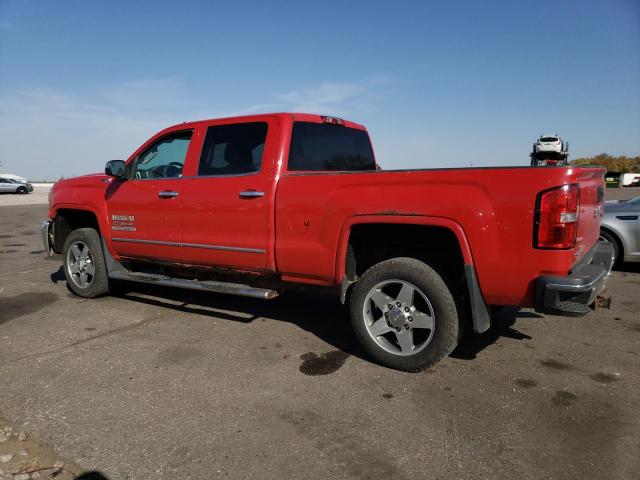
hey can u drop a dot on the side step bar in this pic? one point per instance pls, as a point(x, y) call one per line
point(205, 285)
point(117, 271)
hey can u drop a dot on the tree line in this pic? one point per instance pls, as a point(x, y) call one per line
point(621, 164)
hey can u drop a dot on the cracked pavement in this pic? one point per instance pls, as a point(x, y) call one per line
point(159, 383)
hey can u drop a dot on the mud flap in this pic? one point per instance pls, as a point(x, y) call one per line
point(480, 316)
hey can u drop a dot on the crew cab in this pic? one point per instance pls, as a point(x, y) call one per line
point(259, 204)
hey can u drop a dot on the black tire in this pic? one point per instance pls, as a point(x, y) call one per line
point(99, 284)
point(22, 190)
point(445, 334)
point(617, 247)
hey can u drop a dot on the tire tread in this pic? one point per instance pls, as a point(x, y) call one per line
point(100, 285)
point(440, 295)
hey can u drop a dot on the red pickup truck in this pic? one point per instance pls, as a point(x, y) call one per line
point(254, 205)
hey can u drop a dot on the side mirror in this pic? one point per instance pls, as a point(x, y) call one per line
point(115, 168)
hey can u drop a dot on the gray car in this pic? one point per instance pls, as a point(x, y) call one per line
point(621, 227)
point(8, 185)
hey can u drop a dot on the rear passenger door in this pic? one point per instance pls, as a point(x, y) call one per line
point(226, 201)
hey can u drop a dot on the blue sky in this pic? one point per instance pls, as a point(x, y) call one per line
point(438, 84)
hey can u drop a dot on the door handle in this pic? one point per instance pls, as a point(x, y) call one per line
point(167, 194)
point(251, 194)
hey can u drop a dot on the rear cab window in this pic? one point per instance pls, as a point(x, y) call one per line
point(327, 147)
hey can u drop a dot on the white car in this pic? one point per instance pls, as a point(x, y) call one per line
point(549, 143)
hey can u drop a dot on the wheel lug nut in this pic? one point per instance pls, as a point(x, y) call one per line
point(386, 315)
point(390, 306)
point(406, 327)
point(397, 329)
point(398, 304)
point(410, 319)
point(406, 309)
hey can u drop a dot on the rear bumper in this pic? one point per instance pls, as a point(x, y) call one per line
point(572, 294)
point(47, 236)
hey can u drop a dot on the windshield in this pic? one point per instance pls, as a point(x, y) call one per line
point(548, 139)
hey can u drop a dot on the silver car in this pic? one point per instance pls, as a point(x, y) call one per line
point(621, 227)
point(8, 185)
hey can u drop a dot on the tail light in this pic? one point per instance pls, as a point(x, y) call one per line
point(556, 218)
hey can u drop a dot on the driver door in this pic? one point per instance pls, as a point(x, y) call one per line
point(145, 208)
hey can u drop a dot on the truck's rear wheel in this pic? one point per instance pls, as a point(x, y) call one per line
point(404, 315)
point(83, 263)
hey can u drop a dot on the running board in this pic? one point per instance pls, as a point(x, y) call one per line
point(204, 285)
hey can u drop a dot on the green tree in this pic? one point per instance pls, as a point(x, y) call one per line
point(622, 164)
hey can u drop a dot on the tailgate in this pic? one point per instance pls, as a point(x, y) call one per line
point(591, 181)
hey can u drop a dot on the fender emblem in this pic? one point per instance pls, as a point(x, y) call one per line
point(123, 218)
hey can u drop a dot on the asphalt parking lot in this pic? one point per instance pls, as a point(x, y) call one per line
point(158, 383)
point(39, 195)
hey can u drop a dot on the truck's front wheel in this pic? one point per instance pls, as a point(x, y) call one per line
point(83, 263)
point(404, 315)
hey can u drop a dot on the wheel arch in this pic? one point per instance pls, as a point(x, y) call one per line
point(342, 260)
point(444, 234)
point(69, 218)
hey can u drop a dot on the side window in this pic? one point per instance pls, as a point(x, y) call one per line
point(163, 159)
point(234, 149)
point(326, 147)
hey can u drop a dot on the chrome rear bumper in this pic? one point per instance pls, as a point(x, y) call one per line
point(572, 294)
point(47, 236)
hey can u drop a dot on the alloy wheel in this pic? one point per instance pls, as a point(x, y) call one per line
point(80, 265)
point(399, 317)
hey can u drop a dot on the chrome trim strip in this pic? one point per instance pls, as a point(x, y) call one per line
point(189, 245)
point(150, 242)
point(222, 247)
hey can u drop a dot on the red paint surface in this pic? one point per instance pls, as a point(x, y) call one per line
point(303, 221)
